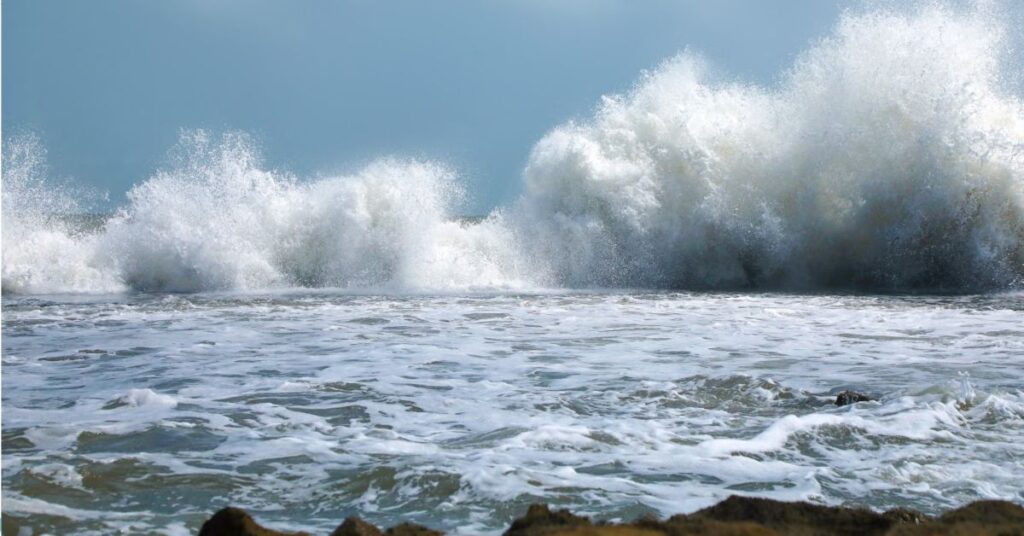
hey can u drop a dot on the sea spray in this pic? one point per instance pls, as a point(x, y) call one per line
point(217, 220)
point(44, 249)
point(889, 157)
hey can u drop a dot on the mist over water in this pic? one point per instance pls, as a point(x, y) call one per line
point(889, 157)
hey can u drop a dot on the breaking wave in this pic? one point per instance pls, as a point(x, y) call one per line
point(889, 157)
point(216, 220)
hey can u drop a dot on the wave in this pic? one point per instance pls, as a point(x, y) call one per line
point(217, 221)
point(889, 157)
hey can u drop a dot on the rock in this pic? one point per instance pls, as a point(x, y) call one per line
point(905, 515)
point(797, 517)
point(539, 518)
point(981, 518)
point(236, 522)
point(353, 526)
point(985, 512)
point(411, 529)
point(846, 398)
point(735, 516)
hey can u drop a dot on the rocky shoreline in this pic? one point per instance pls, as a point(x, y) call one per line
point(735, 516)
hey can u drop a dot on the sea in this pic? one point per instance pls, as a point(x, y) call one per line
point(662, 319)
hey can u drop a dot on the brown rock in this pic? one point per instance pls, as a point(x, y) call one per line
point(797, 517)
point(236, 522)
point(1000, 512)
point(682, 525)
point(411, 529)
point(981, 518)
point(353, 526)
point(735, 516)
point(539, 519)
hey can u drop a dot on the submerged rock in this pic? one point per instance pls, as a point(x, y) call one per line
point(846, 398)
point(735, 516)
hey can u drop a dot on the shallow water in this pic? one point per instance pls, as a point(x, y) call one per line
point(145, 413)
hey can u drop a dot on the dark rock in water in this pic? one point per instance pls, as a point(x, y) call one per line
point(735, 516)
point(411, 529)
point(851, 397)
point(236, 522)
point(986, 512)
point(796, 517)
point(988, 518)
point(540, 518)
point(353, 526)
point(905, 515)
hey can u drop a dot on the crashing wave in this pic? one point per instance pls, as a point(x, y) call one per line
point(889, 157)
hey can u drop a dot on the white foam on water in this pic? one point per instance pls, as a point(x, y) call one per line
point(141, 398)
point(453, 408)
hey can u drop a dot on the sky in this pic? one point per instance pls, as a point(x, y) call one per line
point(325, 86)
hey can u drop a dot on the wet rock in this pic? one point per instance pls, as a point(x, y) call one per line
point(539, 519)
point(353, 526)
point(905, 515)
point(797, 517)
point(985, 512)
point(988, 518)
point(735, 516)
point(236, 522)
point(846, 398)
point(411, 529)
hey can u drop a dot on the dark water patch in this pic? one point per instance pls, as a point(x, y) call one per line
point(485, 316)
point(485, 439)
point(153, 439)
point(370, 321)
point(14, 441)
point(338, 415)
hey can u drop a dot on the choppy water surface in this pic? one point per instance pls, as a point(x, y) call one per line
point(146, 413)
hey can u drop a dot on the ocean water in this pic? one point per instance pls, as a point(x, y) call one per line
point(662, 318)
point(147, 413)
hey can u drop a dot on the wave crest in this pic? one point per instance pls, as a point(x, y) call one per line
point(218, 221)
point(889, 157)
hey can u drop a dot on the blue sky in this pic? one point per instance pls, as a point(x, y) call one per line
point(327, 85)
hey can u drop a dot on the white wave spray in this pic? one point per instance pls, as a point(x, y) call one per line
point(43, 248)
point(890, 157)
point(216, 220)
